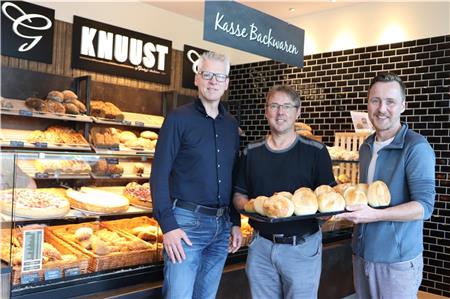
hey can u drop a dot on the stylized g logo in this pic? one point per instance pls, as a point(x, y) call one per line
point(20, 22)
point(193, 60)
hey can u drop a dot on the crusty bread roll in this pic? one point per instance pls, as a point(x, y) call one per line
point(259, 203)
point(250, 206)
point(354, 196)
point(278, 206)
point(323, 189)
point(331, 202)
point(286, 194)
point(126, 135)
point(305, 202)
point(341, 188)
point(362, 187)
point(149, 135)
point(378, 194)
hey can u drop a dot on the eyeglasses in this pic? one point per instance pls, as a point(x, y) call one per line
point(209, 75)
point(286, 107)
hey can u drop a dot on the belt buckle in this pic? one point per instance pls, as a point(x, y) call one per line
point(275, 236)
point(220, 212)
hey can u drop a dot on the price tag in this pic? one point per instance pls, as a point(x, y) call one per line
point(29, 278)
point(25, 112)
point(126, 122)
point(33, 241)
point(115, 175)
point(112, 160)
point(41, 144)
point(15, 143)
point(71, 271)
point(115, 147)
point(52, 274)
point(139, 123)
point(41, 175)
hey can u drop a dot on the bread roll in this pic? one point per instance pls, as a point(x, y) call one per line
point(259, 202)
point(354, 196)
point(286, 194)
point(69, 95)
point(126, 135)
point(55, 95)
point(362, 187)
point(278, 206)
point(149, 135)
point(138, 168)
point(341, 188)
point(250, 206)
point(378, 194)
point(323, 189)
point(331, 202)
point(305, 202)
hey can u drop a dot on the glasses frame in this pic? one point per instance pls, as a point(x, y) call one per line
point(217, 75)
point(285, 107)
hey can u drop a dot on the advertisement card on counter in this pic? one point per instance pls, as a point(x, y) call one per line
point(238, 26)
point(191, 55)
point(361, 122)
point(108, 49)
point(27, 31)
point(33, 241)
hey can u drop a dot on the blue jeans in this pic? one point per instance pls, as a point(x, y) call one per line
point(198, 276)
point(278, 271)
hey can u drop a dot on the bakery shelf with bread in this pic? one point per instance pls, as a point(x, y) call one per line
point(26, 108)
point(56, 255)
point(144, 228)
point(56, 168)
point(134, 120)
point(107, 248)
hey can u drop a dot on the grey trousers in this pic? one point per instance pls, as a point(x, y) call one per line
point(284, 271)
point(387, 281)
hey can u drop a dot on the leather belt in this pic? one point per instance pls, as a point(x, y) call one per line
point(218, 212)
point(286, 239)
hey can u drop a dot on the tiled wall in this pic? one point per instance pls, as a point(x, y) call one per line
point(334, 83)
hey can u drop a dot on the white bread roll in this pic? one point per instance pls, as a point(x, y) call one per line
point(149, 135)
point(323, 189)
point(286, 194)
point(126, 135)
point(250, 206)
point(305, 202)
point(258, 204)
point(278, 206)
point(362, 187)
point(340, 188)
point(378, 194)
point(331, 202)
point(353, 196)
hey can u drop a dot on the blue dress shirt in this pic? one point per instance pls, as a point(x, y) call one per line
point(194, 161)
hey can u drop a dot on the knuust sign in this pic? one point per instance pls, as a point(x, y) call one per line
point(238, 26)
point(112, 50)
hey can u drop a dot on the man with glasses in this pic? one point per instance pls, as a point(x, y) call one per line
point(284, 259)
point(191, 183)
point(388, 243)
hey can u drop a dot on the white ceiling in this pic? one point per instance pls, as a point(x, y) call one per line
point(278, 9)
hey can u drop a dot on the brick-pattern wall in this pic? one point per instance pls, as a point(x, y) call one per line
point(334, 83)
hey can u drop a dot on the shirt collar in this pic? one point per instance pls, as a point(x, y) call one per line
point(199, 106)
point(398, 141)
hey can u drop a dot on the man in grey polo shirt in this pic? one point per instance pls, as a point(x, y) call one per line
point(388, 243)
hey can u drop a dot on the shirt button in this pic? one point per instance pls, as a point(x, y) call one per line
point(218, 150)
point(217, 135)
point(218, 196)
point(218, 165)
point(220, 181)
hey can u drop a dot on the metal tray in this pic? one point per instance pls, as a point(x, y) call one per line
point(261, 218)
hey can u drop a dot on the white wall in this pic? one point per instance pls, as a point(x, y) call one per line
point(359, 25)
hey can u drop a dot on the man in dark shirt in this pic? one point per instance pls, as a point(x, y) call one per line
point(191, 184)
point(284, 259)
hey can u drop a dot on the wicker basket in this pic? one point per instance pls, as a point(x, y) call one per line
point(112, 260)
point(81, 262)
point(126, 226)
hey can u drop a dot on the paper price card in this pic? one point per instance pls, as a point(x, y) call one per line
point(33, 241)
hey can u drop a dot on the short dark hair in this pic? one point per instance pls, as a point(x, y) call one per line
point(289, 91)
point(389, 77)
